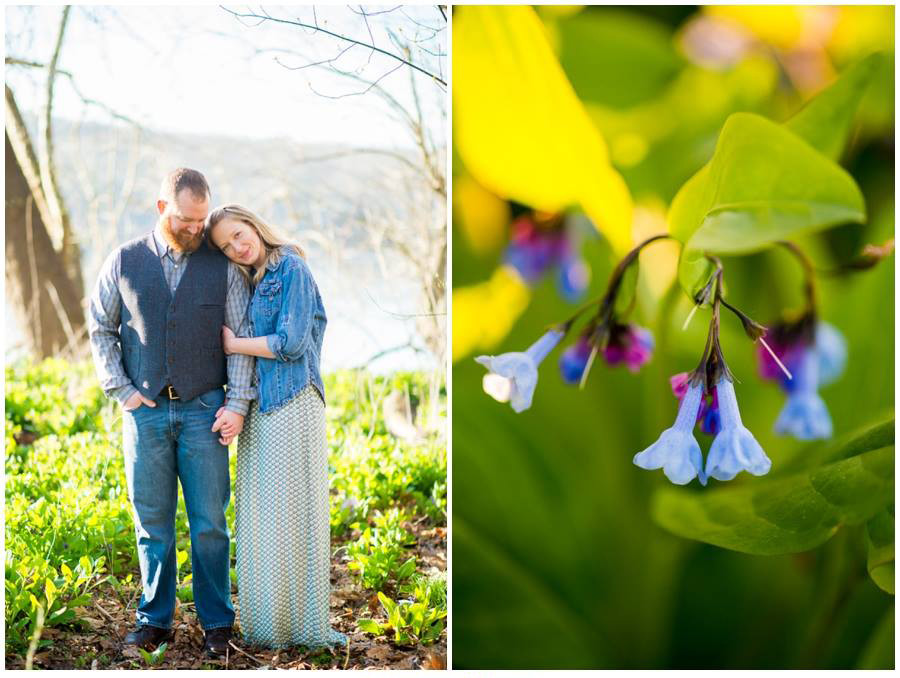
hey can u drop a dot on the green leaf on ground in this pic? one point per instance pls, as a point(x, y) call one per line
point(785, 514)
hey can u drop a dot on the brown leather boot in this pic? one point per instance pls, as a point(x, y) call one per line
point(147, 637)
point(216, 642)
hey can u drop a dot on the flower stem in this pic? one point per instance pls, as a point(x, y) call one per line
point(809, 285)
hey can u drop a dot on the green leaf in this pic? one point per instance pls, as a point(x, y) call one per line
point(370, 626)
point(388, 604)
point(406, 569)
point(870, 437)
point(615, 57)
point(782, 515)
point(826, 120)
point(880, 542)
point(879, 650)
point(85, 564)
point(762, 184)
point(159, 653)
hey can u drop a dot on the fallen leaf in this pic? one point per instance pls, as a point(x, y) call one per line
point(131, 652)
point(434, 662)
point(96, 624)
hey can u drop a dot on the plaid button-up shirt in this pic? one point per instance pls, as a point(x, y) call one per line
point(105, 315)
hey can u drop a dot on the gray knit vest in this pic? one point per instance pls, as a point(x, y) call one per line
point(172, 339)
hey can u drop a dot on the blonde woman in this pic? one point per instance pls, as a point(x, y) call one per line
point(281, 493)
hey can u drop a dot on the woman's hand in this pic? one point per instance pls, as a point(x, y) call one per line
point(227, 340)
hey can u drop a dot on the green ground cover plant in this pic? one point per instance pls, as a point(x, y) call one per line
point(70, 537)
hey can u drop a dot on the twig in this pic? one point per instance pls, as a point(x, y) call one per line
point(106, 614)
point(372, 85)
point(246, 654)
point(316, 27)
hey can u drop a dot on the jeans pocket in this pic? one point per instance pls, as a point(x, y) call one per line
point(212, 399)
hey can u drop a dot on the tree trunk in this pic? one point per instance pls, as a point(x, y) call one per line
point(46, 299)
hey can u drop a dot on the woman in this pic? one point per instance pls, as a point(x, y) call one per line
point(281, 492)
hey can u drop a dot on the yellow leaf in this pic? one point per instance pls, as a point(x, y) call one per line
point(519, 127)
point(482, 216)
point(483, 314)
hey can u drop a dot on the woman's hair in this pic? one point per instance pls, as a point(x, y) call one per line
point(271, 238)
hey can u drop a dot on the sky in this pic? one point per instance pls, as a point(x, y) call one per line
point(200, 69)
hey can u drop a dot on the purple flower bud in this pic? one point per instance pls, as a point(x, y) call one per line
point(574, 359)
point(533, 250)
point(631, 344)
point(680, 384)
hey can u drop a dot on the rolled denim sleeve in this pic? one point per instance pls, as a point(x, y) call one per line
point(104, 316)
point(293, 330)
point(240, 367)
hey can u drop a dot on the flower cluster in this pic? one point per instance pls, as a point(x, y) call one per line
point(733, 450)
point(541, 242)
point(800, 355)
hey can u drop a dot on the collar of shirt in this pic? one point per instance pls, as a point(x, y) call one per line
point(163, 248)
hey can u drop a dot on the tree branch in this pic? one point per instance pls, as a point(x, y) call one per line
point(316, 27)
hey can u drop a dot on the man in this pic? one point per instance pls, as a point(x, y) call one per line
point(155, 320)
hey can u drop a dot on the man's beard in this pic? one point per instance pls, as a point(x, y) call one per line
point(180, 242)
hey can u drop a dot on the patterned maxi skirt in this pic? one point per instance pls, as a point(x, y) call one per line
point(282, 526)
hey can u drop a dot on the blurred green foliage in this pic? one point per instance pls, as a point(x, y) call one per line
point(558, 558)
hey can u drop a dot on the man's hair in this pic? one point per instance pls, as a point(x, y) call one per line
point(184, 178)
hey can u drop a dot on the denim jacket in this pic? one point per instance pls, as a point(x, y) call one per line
point(286, 308)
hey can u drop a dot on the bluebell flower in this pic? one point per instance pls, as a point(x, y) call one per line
point(677, 452)
point(804, 415)
point(831, 350)
point(734, 449)
point(513, 376)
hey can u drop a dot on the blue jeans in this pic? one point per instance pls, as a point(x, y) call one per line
point(163, 444)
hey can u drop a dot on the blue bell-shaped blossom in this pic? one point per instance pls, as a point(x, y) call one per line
point(831, 350)
point(677, 452)
point(805, 415)
point(734, 449)
point(513, 376)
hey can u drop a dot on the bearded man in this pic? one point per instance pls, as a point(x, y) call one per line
point(155, 320)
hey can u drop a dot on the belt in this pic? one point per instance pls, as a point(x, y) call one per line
point(169, 392)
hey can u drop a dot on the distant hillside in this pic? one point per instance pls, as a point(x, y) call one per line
point(110, 178)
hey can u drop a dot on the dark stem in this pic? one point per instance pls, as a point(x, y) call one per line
point(809, 285)
point(712, 364)
point(606, 301)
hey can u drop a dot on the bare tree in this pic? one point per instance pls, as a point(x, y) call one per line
point(43, 261)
